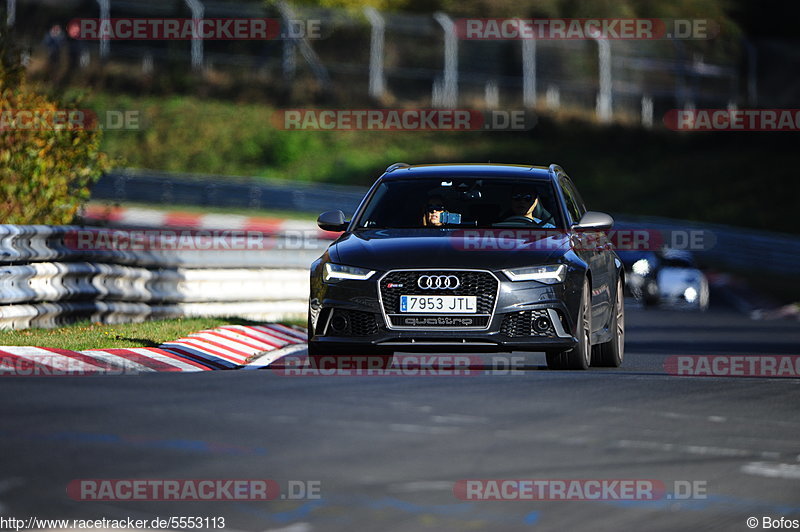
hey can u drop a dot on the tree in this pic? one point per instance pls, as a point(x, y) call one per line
point(46, 168)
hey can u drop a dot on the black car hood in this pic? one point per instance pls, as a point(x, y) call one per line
point(385, 249)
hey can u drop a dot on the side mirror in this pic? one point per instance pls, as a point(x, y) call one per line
point(595, 221)
point(332, 221)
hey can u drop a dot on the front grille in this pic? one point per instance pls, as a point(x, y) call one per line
point(458, 320)
point(521, 324)
point(355, 323)
point(481, 284)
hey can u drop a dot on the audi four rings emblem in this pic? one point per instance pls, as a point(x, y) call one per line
point(431, 282)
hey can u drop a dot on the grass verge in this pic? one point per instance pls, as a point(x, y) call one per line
point(87, 335)
point(740, 178)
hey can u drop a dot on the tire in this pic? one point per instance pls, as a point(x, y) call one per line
point(610, 354)
point(578, 357)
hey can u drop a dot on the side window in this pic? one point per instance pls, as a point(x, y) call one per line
point(573, 201)
point(578, 199)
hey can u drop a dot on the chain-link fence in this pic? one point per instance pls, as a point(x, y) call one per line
point(390, 58)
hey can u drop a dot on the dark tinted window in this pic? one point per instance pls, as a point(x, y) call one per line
point(479, 202)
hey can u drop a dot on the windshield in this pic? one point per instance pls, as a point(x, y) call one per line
point(461, 202)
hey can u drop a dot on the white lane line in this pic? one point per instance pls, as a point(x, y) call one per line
point(421, 429)
point(459, 418)
point(679, 415)
point(296, 527)
point(707, 450)
point(772, 470)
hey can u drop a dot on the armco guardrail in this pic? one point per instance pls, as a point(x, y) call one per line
point(152, 187)
point(43, 243)
point(45, 280)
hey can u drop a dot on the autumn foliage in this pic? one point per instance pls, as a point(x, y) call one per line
point(45, 173)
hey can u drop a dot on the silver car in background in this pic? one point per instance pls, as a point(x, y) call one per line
point(668, 278)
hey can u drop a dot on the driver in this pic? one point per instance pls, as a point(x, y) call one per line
point(525, 204)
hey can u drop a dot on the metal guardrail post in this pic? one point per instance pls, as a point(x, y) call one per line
point(377, 82)
point(11, 12)
point(105, 14)
point(529, 73)
point(491, 94)
point(604, 98)
point(552, 97)
point(450, 87)
point(197, 39)
point(752, 79)
point(319, 70)
point(647, 112)
point(288, 59)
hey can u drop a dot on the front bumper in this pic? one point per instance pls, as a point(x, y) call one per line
point(351, 314)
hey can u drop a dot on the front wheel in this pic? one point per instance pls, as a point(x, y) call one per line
point(611, 353)
point(579, 357)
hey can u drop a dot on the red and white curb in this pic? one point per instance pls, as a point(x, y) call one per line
point(227, 347)
point(138, 217)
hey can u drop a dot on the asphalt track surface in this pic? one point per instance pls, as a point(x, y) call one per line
point(386, 451)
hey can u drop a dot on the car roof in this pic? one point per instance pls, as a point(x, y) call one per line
point(485, 170)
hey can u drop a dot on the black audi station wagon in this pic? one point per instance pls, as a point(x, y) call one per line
point(470, 257)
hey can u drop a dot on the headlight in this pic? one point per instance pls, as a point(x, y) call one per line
point(690, 294)
point(641, 267)
point(337, 272)
point(551, 274)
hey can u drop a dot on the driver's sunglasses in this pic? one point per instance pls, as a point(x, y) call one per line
point(526, 197)
point(434, 208)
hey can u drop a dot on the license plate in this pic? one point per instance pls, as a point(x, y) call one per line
point(439, 304)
